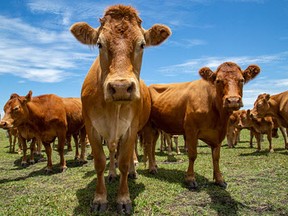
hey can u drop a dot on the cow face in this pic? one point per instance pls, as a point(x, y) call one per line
point(261, 106)
point(121, 41)
point(15, 110)
point(229, 80)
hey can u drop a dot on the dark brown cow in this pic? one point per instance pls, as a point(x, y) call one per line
point(41, 117)
point(272, 105)
point(200, 110)
point(116, 104)
point(75, 124)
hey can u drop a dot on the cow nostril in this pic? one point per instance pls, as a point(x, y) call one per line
point(131, 88)
point(111, 89)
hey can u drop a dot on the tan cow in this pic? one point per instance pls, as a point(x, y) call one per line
point(42, 117)
point(116, 104)
point(200, 110)
point(75, 124)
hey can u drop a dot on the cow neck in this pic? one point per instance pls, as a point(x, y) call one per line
point(274, 107)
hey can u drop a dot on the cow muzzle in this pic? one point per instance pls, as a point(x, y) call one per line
point(233, 103)
point(122, 90)
point(5, 125)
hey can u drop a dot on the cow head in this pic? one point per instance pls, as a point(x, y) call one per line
point(229, 80)
point(261, 106)
point(245, 119)
point(16, 110)
point(121, 41)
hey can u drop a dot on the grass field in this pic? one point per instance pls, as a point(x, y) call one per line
point(257, 184)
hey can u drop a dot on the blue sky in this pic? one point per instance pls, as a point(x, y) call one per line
point(38, 53)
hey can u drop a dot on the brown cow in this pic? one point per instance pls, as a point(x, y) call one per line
point(167, 141)
point(41, 117)
point(275, 106)
point(200, 110)
point(233, 128)
point(116, 104)
point(75, 126)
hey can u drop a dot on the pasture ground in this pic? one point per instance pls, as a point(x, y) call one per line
point(257, 184)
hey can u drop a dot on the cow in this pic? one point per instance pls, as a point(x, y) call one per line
point(42, 117)
point(274, 106)
point(166, 140)
point(199, 110)
point(116, 103)
point(13, 138)
point(233, 128)
point(75, 126)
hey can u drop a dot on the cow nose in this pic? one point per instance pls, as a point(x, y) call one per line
point(3, 124)
point(233, 102)
point(121, 89)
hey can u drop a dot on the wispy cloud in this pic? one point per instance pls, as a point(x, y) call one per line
point(193, 65)
point(36, 54)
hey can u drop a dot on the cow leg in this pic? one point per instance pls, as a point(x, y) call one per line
point(100, 198)
point(75, 138)
point(191, 143)
point(24, 147)
point(61, 145)
point(162, 144)
point(269, 137)
point(169, 143)
point(48, 151)
point(284, 137)
point(83, 145)
point(258, 139)
point(251, 138)
point(32, 150)
point(14, 143)
point(10, 140)
point(68, 142)
point(216, 170)
point(176, 144)
point(132, 171)
point(124, 204)
point(112, 166)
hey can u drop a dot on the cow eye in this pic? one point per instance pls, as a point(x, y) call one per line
point(15, 109)
point(143, 44)
point(99, 45)
point(218, 81)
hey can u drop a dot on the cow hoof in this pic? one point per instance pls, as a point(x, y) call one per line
point(24, 164)
point(98, 207)
point(132, 175)
point(90, 157)
point(111, 178)
point(63, 169)
point(221, 184)
point(48, 171)
point(32, 162)
point(153, 171)
point(192, 185)
point(124, 208)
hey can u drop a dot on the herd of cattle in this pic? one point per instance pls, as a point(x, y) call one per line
point(117, 107)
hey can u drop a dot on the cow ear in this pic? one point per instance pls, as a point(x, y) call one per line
point(267, 97)
point(248, 112)
point(84, 33)
point(28, 96)
point(251, 72)
point(207, 74)
point(14, 95)
point(156, 34)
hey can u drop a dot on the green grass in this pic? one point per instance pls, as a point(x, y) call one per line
point(257, 184)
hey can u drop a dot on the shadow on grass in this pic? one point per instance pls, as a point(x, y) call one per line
point(85, 196)
point(221, 200)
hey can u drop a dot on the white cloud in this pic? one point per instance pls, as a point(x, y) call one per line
point(193, 65)
point(37, 54)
